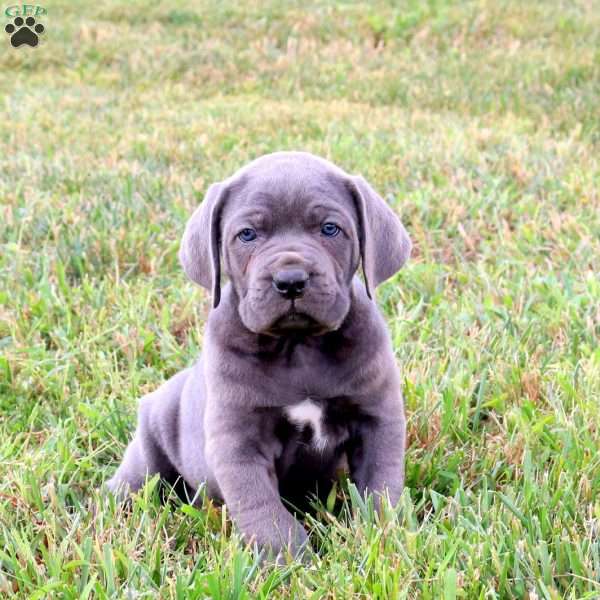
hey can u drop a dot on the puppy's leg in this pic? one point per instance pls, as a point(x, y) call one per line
point(143, 458)
point(376, 455)
point(253, 499)
point(152, 449)
point(242, 457)
point(131, 474)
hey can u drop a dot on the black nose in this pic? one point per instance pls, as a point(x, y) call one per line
point(290, 283)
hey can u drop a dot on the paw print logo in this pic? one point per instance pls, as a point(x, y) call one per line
point(24, 32)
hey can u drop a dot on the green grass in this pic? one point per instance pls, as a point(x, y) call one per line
point(479, 122)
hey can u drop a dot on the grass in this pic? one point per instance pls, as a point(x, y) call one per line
point(478, 121)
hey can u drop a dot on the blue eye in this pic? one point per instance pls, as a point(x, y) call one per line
point(330, 229)
point(247, 235)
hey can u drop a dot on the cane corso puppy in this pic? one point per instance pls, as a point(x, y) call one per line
point(297, 374)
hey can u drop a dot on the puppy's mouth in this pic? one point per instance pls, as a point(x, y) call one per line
point(295, 322)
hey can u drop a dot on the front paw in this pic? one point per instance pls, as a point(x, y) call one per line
point(279, 540)
point(296, 551)
point(298, 542)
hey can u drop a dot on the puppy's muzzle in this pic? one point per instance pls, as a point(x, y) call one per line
point(290, 283)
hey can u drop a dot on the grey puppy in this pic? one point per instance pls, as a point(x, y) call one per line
point(297, 374)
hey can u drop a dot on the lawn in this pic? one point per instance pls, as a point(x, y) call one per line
point(478, 121)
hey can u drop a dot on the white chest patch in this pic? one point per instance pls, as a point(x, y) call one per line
point(308, 412)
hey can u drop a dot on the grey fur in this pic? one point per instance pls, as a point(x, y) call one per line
point(226, 422)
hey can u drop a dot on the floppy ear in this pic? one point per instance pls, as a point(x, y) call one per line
point(199, 251)
point(383, 241)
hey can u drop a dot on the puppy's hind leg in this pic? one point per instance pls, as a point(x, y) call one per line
point(154, 446)
point(132, 473)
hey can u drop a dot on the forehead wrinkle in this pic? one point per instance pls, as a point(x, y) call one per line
point(324, 206)
point(290, 196)
point(252, 213)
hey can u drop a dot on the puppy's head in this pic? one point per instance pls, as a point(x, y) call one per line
point(290, 230)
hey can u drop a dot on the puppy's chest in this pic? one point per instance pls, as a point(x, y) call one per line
point(319, 425)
